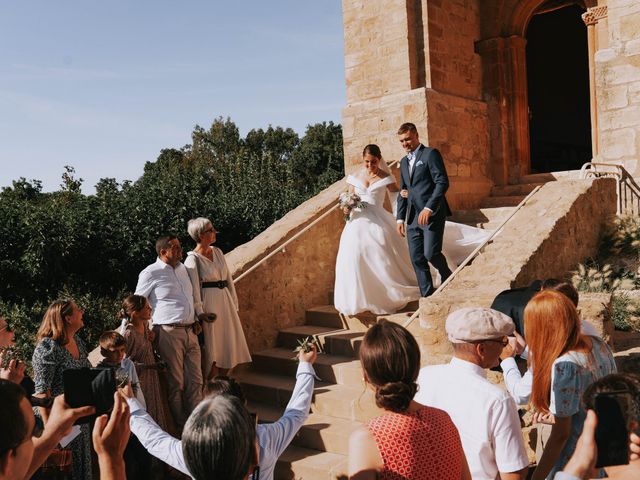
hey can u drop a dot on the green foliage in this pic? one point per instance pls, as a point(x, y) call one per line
point(619, 253)
point(92, 247)
point(626, 312)
point(591, 278)
point(625, 237)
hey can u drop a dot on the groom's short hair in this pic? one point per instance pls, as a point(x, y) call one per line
point(407, 127)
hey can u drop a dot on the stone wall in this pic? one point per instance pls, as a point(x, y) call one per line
point(558, 228)
point(453, 28)
point(409, 61)
point(277, 292)
point(618, 86)
point(458, 126)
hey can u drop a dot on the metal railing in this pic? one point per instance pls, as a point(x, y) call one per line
point(627, 189)
point(282, 248)
point(476, 251)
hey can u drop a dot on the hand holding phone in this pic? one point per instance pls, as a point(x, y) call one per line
point(614, 410)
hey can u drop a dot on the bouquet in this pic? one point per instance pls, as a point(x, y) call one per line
point(350, 201)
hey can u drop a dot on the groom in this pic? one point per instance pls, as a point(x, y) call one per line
point(423, 183)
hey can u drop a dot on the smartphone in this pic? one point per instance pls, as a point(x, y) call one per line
point(89, 386)
point(614, 410)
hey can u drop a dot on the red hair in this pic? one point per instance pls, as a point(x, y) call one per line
point(552, 328)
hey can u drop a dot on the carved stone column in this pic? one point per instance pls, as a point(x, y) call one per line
point(591, 18)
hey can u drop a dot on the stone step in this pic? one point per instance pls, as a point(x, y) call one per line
point(481, 216)
point(324, 316)
point(339, 401)
point(328, 316)
point(537, 178)
point(319, 432)
point(517, 189)
point(303, 463)
point(330, 368)
point(334, 341)
point(502, 201)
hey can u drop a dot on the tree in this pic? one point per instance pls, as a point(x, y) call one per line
point(92, 247)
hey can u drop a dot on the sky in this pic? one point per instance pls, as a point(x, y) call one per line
point(104, 86)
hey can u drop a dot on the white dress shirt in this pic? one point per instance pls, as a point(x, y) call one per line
point(485, 415)
point(169, 293)
point(273, 438)
point(518, 386)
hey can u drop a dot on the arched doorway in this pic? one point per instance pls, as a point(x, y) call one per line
point(558, 89)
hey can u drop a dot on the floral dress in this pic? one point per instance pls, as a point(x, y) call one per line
point(49, 360)
point(140, 352)
point(572, 373)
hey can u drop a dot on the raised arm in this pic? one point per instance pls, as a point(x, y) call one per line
point(275, 437)
point(155, 440)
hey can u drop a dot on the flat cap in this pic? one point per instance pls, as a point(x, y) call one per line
point(473, 324)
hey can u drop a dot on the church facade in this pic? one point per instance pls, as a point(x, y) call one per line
point(504, 88)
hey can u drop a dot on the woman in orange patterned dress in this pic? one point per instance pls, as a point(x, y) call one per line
point(410, 441)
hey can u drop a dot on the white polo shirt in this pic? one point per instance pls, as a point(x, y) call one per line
point(169, 293)
point(485, 415)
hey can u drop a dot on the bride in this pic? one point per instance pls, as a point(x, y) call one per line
point(373, 269)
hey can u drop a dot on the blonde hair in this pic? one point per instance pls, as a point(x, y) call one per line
point(53, 321)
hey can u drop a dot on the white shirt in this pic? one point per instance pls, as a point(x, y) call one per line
point(169, 293)
point(273, 438)
point(485, 415)
point(518, 386)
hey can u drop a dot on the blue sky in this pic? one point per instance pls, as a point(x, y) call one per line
point(104, 86)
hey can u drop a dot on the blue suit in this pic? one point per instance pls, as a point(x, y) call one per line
point(427, 185)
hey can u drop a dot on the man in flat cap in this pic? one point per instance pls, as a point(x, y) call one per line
point(485, 415)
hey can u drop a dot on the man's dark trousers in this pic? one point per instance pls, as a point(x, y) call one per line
point(425, 246)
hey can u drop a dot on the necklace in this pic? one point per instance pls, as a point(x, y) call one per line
point(373, 174)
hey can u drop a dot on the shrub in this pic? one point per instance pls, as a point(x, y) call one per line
point(626, 312)
point(92, 247)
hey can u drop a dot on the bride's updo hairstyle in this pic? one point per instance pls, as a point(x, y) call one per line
point(372, 149)
point(390, 359)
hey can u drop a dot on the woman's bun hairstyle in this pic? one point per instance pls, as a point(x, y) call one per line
point(390, 358)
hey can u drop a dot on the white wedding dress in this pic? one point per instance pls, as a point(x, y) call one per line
point(373, 270)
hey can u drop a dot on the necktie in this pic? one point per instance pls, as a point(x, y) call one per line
point(412, 159)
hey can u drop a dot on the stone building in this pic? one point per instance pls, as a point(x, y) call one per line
point(503, 88)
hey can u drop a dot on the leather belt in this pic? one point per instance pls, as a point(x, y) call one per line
point(178, 325)
point(218, 284)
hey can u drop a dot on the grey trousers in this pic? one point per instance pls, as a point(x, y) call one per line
point(179, 348)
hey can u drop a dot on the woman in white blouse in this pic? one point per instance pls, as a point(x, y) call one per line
point(215, 296)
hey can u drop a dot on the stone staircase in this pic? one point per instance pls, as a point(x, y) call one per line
point(502, 201)
point(340, 403)
point(512, 195)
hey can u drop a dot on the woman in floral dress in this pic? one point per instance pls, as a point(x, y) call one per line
point(58, 348)
point(566, 362)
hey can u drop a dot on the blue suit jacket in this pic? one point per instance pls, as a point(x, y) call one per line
point(426, 186)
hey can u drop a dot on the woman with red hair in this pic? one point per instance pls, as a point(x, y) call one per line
point(565, 363)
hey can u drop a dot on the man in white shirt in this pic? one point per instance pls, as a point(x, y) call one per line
point(485, 415)
point(167, 286)
point(273, 438)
